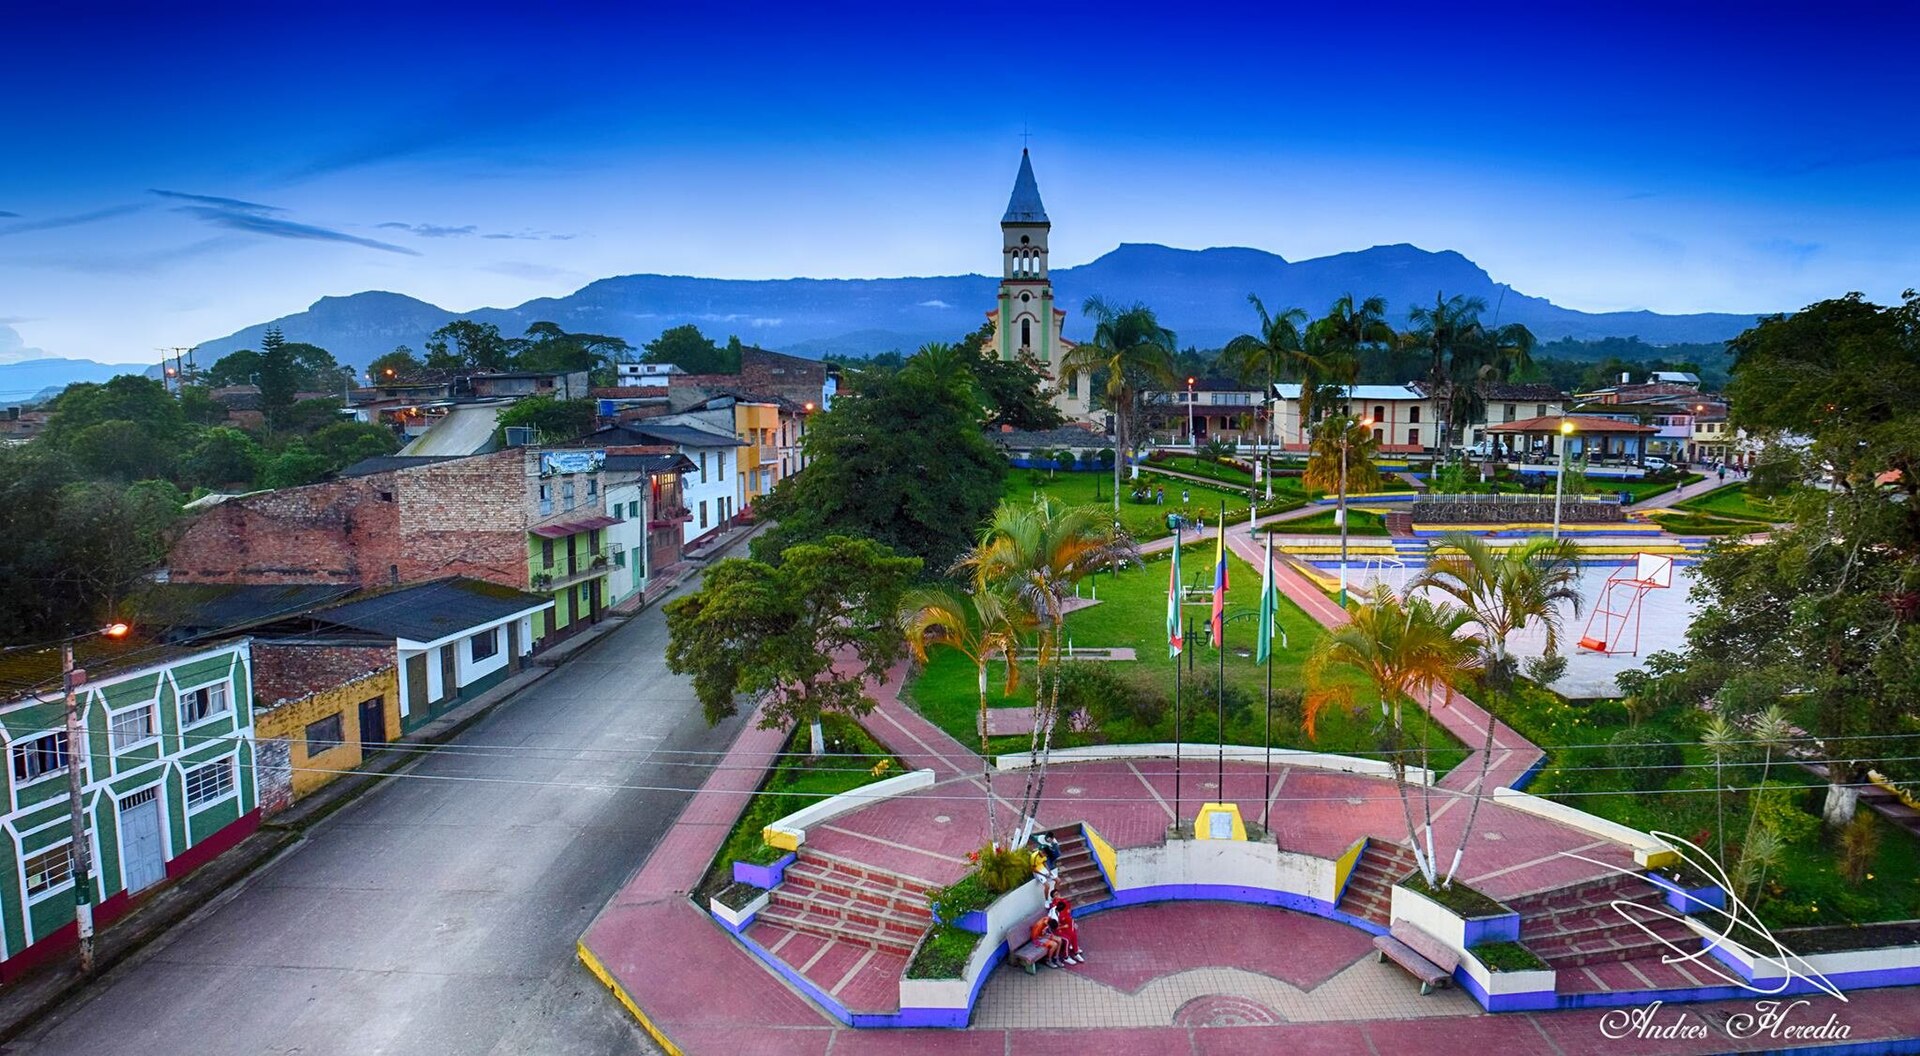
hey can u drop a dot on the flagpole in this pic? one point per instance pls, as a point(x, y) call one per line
point(1220, 683)
point(1179, 614)
point(1266, 628)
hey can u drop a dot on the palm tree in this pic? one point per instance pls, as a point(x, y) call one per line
point(1449, 333)
point(942, 364)
point(976, 625)
point(1135, 351)
point(1721, 740)
point(1325, 460)
point(1277, 349)
point(1760, 849)
point(1034, 556)
point(1337, 339)
point(1403, 648)
point(1505, 591)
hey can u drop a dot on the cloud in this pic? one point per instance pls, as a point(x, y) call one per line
point(273, 227)
point(530, 236)
point(70, 220)
point(5, 214)
point(765, 322)
point(1797, 252)
point(430, 230)
point(90, 263)
point(13, 349)
point(217, 202)
point(494, 111)
point(935, 303)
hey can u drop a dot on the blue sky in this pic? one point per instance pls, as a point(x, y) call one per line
point(174, 176)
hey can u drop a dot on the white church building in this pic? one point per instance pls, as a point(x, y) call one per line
point(1025, 321)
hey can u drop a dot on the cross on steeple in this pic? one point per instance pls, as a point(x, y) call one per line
point(1025, 136)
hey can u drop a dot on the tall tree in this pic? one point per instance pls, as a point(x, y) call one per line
point(898, 459)
point(1506, 590)
point(1035, 556)
point(800, 639)
point(1446, 332)
point(1337, 340)
point(464, 345)
point(397, 365)
point(1278, 349)
point(686, 347)
point(279, 377)
point(127, 398)
point(553, 421)
point(1342, 451)
point(978, 625)
point(1134, 352)
point(1404, 648)
point(548, 347)
point(1015, 391)
point(239, 367)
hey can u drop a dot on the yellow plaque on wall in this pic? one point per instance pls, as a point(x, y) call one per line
point(1219, 821)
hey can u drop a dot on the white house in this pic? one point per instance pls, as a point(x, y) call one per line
point(646, 375)
point(1506, 402)
point(707, 489)
point(1403, 418)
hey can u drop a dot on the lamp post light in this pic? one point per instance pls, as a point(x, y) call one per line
point(1346, 435)
point(79, 860)
point(1560, 480)
point(1193, 441)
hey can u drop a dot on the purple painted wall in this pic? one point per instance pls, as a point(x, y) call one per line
point(762, 876)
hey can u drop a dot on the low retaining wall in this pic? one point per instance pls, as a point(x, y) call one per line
point(1648, 852)
point(1508, 511)
point(1496, 991)
point(1234, 752)
point(791, 831)
point(767, 876)
point(949, 1002)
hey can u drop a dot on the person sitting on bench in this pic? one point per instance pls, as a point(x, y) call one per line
point(1044, 935)
point(1060, 912)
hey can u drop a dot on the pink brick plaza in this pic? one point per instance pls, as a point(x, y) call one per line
point(1199, 977)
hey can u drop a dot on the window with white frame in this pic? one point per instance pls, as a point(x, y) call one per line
point(199, 705)
point(49, 869)
point(37, 757)
point(133, 726)
point(209, 784)
point(484, 645)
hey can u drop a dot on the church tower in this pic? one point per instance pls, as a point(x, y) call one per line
point(1026, 323)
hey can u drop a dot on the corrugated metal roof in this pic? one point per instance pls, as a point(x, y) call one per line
point(1291, 391)
point(431, 611)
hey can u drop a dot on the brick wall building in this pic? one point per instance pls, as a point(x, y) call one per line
point(465, 516)
point(796, 378)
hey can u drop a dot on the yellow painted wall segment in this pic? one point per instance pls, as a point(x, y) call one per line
point(600, 972)
point(289, 721)
point(785, 841)
point(1219, 821)
point(1343, 866)
point(1103, 851)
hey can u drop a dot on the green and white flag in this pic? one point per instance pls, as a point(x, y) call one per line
point(1269, 605)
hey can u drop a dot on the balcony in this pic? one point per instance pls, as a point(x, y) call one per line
point(560, 579)
point(668, 517)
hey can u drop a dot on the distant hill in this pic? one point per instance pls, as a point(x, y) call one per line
point(36, 380)
point(1200, 294)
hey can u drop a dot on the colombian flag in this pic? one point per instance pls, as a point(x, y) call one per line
point(1219, 577)
point(1173, 600)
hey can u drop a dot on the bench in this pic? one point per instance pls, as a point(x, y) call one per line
point(1022, 950)
point(1427, 958)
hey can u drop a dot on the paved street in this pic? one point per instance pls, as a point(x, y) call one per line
point(437, 914)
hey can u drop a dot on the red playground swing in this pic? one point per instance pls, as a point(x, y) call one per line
point(1619, 604)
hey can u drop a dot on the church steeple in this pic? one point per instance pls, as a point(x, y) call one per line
point(1024, 207)
point(1023, 231)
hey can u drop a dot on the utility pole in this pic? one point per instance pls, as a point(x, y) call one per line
point(79, 858)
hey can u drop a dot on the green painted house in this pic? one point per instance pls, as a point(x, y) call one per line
point(168, 780)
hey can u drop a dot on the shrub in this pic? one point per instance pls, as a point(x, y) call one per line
point(1507, 957)
point(1775, 811)
point(1003, 870)
point(1095, 688)
point(1859, 843)
point(959, 898)
point(1645, 759)
point(1547, 670)
point(943, 954)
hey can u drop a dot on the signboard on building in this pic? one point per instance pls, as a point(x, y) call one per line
point(560, 462)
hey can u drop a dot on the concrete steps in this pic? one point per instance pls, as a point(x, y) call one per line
point(847, 901)
point(1369, 891)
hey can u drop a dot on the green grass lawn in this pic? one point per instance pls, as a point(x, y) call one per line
point(1807, 888)
point(795, 781)
point(1132, 613)
point(1226, 474)
point(1733, 503)
point(1142, 521)
point(1359, 522)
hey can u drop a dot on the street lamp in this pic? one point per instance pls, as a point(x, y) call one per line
point(1192, 440)
point(1560, 481)
point(79, 861)
point(1346, 435)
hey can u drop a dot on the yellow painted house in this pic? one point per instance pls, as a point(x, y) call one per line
point(330, 731)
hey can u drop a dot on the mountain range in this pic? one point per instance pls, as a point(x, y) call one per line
point(1200, 294)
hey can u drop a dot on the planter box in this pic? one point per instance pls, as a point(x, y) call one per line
point(1690, 899)
point(791, 831)
point(949, 1002)
point(736, 919)
point(763, 876)
point(1507, 991)
point(1450, 927)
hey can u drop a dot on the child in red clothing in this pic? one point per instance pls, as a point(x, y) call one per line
point(1060, 913)
point(1045, 935)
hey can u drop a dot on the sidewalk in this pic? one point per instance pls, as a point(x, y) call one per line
point(1687, 491)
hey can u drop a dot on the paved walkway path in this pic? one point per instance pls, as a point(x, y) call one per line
point(1687, 491)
